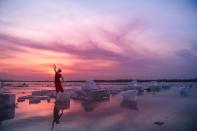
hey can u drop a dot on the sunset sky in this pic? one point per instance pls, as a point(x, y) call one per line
point(98, 39)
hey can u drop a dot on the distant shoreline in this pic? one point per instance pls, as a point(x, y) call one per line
point(116, 80)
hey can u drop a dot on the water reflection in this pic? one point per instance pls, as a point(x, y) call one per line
point(131, 104)
point(89, 106)
point(7, 106)
point(99, 115)
point(7, 113)
point(59, 107)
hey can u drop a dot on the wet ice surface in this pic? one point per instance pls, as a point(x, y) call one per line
point(178, 113)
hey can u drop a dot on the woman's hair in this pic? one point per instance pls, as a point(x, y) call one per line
point(59, 70)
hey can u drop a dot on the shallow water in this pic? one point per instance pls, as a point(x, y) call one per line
point(178, 113)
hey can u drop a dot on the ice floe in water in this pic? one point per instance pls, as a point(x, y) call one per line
point(90, 91)
point(133, 85)
point(154, 86)
point(184, 90)
point(89, 85)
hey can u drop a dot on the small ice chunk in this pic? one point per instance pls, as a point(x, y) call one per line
point(154, 86)
point(115, 90)
point(89, 85)
point(165, 85)
point(34, 100)
point(7, 100)
point(130, 95)
point(154, 83)
point(100, 94)
point(184, 90)
point(133, 84)
point(79, 95)
point(21, 99)
point(50, 93)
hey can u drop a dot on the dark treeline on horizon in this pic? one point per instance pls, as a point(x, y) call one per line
point(115, 80)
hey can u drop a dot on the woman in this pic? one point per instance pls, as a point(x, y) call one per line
point(58, 84)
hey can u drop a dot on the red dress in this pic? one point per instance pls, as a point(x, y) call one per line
point(58, 85)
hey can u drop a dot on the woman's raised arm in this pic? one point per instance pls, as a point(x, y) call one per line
point(55, 68)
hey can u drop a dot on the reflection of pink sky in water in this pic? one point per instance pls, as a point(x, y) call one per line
point(26, 110)
point(44, 108)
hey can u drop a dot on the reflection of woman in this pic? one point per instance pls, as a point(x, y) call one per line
point(58, 110)
point(58, 84)
point(56, 115)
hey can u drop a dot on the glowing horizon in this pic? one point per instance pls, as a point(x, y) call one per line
point(98, 39)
